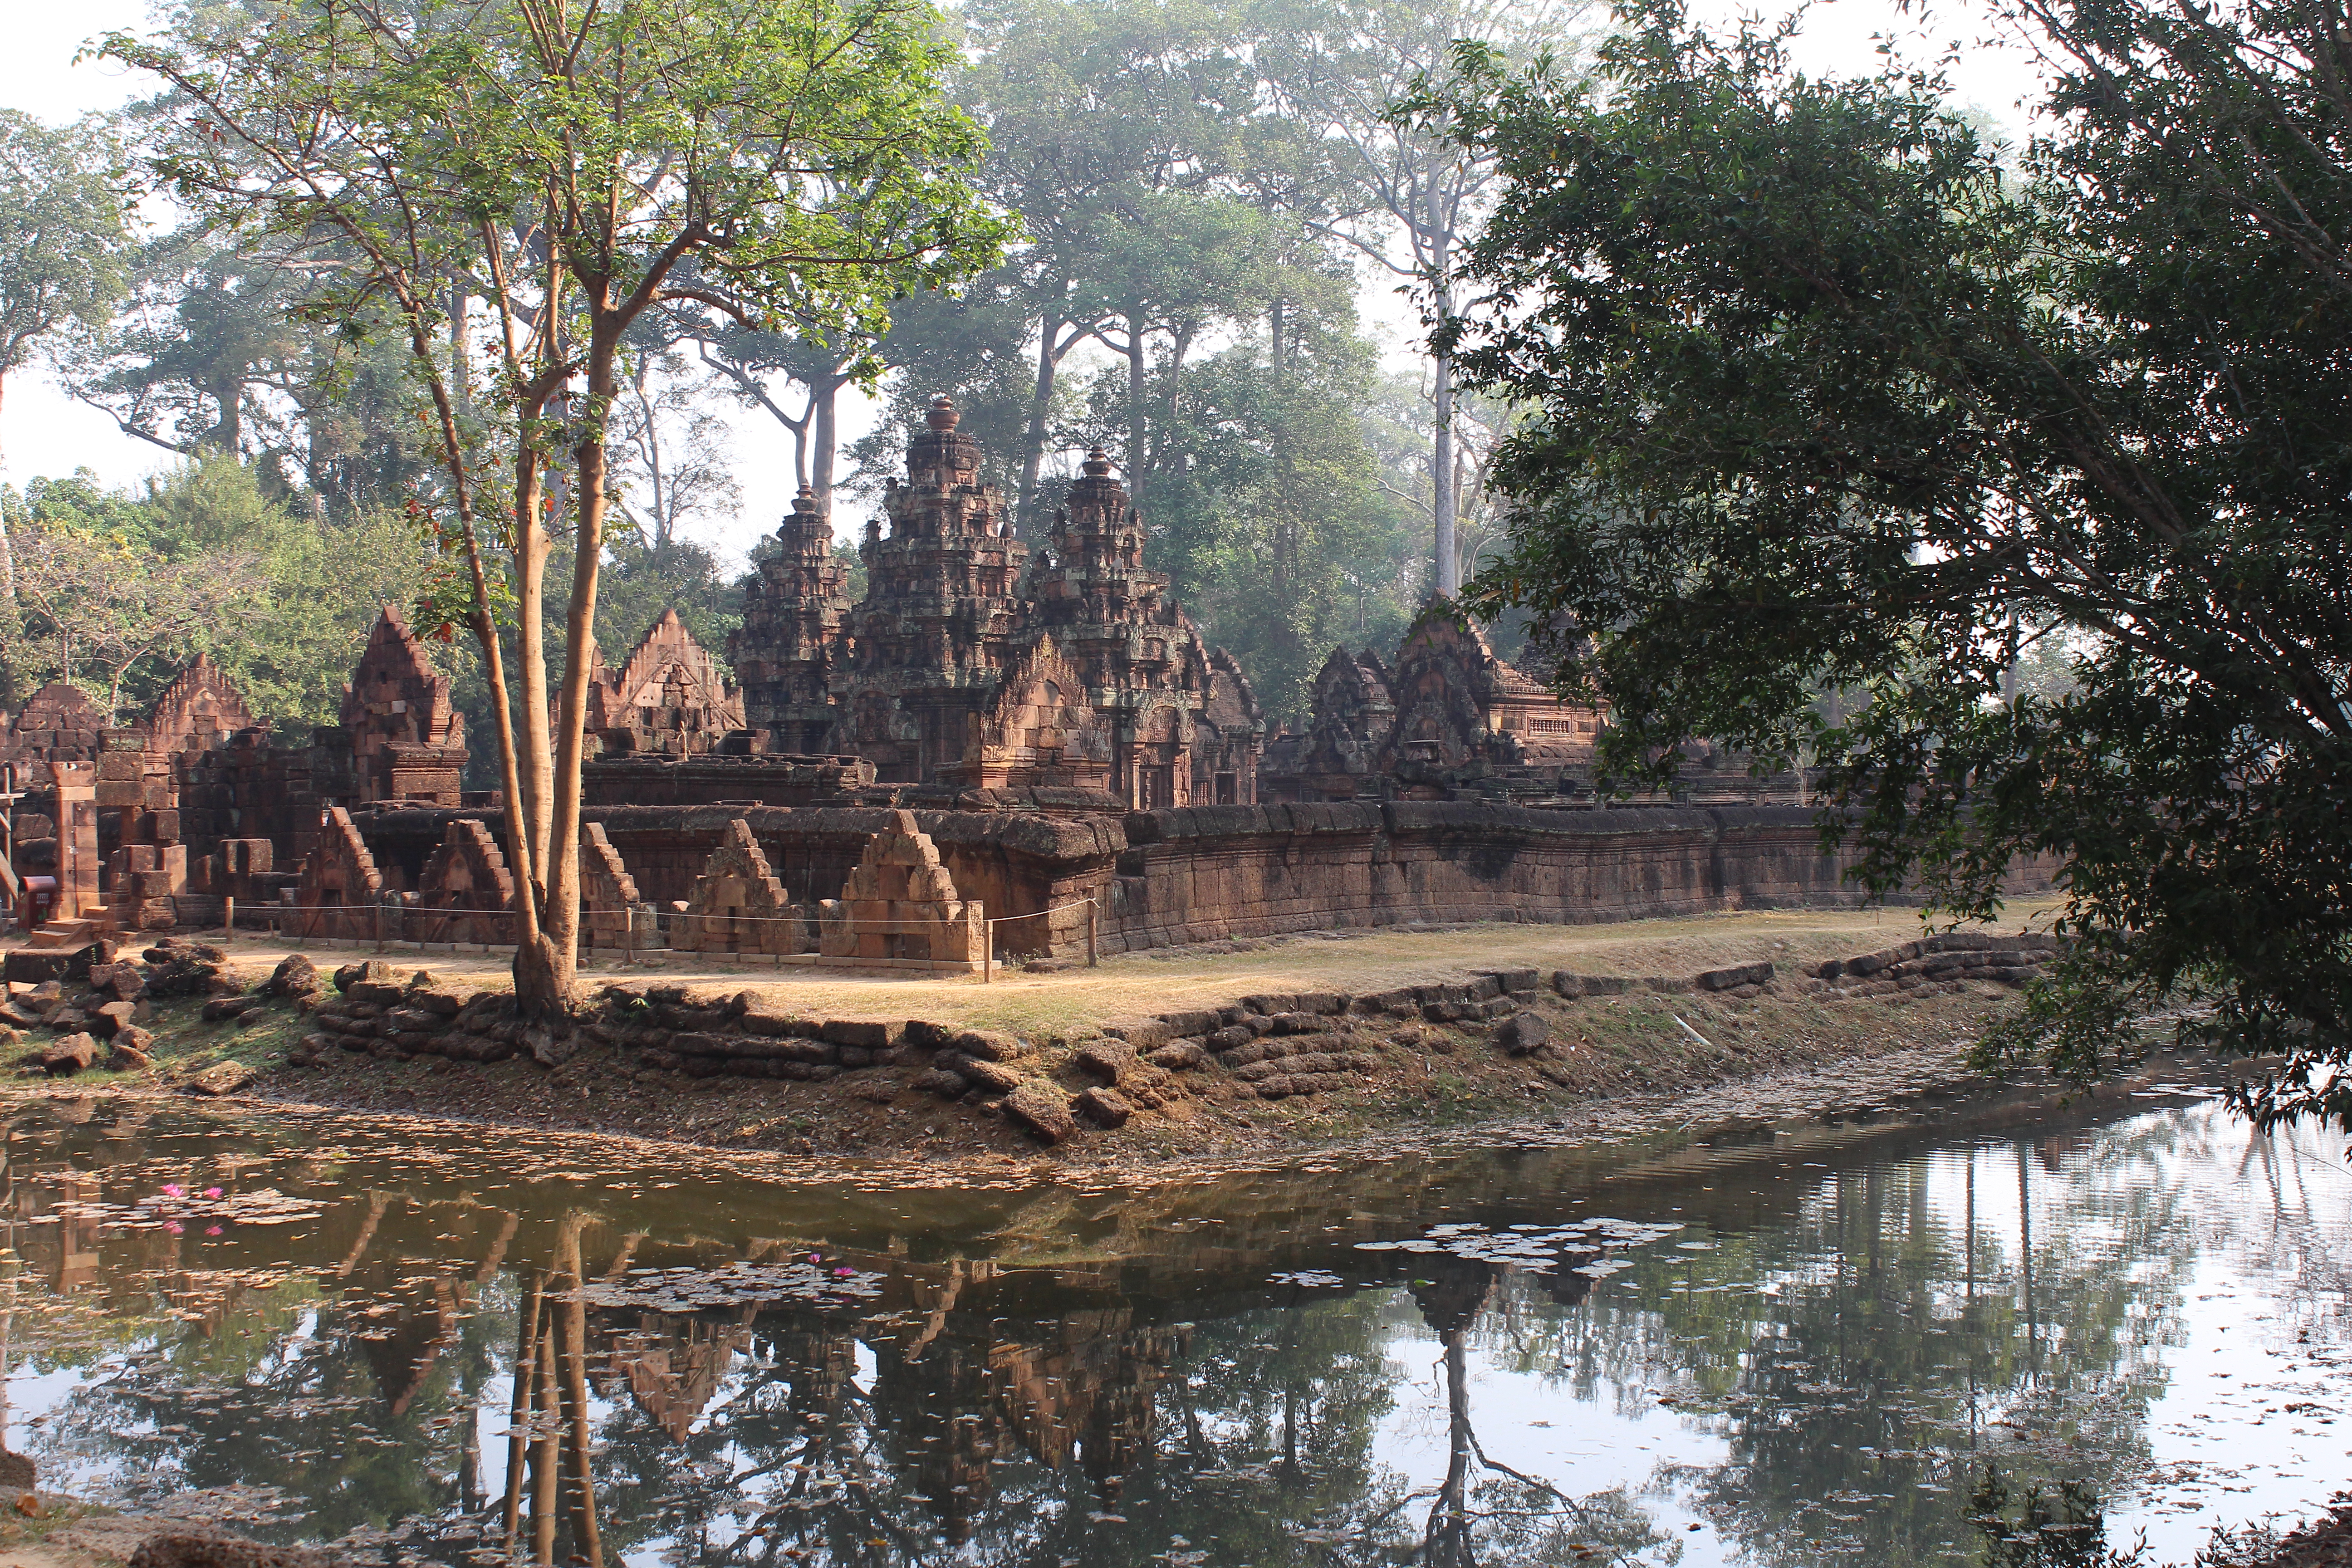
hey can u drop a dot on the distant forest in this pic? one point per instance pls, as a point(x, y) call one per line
point(1204, 197)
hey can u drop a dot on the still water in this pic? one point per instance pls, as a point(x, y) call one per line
point(1797, 1346)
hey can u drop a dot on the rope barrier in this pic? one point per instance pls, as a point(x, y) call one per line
point(376, 911)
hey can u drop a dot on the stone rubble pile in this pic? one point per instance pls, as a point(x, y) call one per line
point(89, 996)
point(373, 1012)
point(1264, 1046)
point(1947, 960)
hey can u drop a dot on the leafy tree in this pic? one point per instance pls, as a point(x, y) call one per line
point(580, 168)
point(1099, 113)
point(308, 589)
point(218, 351)
point(108, 609)
point(1824, 398)
point(673, 470)
point(64, 239)
point(1400, 194)
point(974, 346)
point(1270, 517)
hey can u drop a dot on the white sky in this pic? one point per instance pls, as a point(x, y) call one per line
point(44, 432)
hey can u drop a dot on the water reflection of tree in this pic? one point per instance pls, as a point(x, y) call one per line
point(1904, 1325)
point(1484, 1511)
point(1896, 1343)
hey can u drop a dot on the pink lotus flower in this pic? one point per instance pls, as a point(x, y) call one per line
point(173, 1226)
point(212, 1191)
point(174, 1190)
point(843, 1273)
point(212, 1230)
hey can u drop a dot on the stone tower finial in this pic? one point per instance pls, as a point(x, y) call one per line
point(805, 502)
point(1097, 464)
point(944, 415)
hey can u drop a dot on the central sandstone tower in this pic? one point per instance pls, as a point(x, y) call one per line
point(969, 662)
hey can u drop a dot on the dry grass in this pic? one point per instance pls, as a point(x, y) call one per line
point(1132, 984)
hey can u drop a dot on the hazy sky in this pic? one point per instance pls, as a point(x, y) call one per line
point(45, 432)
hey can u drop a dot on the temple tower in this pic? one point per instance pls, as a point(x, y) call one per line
point(786, 650)
point(1148, 670)
point(941, 617)
point(408, 742)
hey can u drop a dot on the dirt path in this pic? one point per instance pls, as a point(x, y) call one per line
point(1130, 985)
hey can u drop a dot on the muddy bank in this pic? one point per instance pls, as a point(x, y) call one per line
point(1556, 1052)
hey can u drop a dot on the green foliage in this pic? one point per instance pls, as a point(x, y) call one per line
point(314, 586)
point(1266, 510)
point(640, 582)
point(219, 352)
point(2066, 1533)
point(64, 231)
point(1825, 398)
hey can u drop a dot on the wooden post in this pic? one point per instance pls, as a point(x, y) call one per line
point(1094, 931)
point(988, 955)
point(228, 919)
point(379, 925)
point(628, 933)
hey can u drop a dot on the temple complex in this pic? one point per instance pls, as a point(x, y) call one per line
point(970, 661)
point(992, 752)
point(1448, 718)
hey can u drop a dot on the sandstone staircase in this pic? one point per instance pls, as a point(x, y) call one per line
point(67, 933)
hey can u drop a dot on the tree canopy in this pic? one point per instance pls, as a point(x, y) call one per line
point(1825, 393)
point(573, 169)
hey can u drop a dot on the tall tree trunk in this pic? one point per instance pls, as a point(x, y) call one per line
point(519, 1409)
point(1440, 454)
point(545, 1458)
point(1135, 425)
point(825, 437)
point(536, 777)
point(1177, 351)
point(544, 972)
point(571, 1389)
point(1041, 402)
point(229, 434)
point(12, 623)
point(1448, 1542)
point(461, 364)
point(512, 774)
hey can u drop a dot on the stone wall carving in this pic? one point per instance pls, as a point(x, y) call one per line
point(1038, 729)
point(466, 892)
point(408, 742)
point(58, 722)
point(608, 894)
point(250, 787)
point(669, 696)
point(200, 710)
point(899, 904)
point(1354, 716)
point(1449, 719)
point(341, 886)
point(738, 905)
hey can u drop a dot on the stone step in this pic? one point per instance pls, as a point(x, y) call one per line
point(65, 933)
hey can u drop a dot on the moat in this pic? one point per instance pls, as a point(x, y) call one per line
point(1792, 1345)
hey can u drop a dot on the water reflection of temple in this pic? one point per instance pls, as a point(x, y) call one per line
point(971, 1396)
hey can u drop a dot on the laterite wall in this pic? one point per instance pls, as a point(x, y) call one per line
point(1207, 873)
